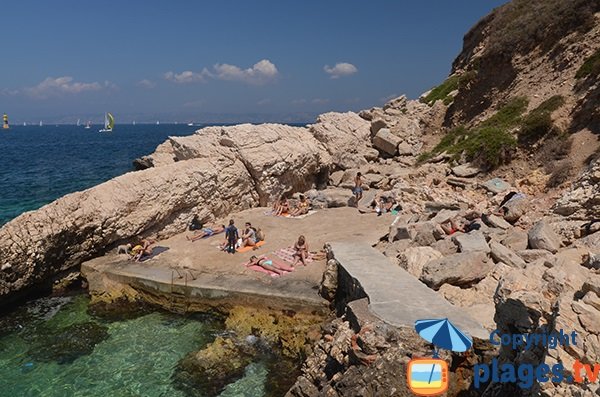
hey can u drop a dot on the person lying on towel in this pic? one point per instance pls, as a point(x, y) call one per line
point(207, 231)
point(267, 264)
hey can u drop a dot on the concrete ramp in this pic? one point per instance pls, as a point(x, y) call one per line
point(395, 296)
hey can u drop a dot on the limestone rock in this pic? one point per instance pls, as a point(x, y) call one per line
point(534, 255)
point(387, 142)
point(413, 259)
point(376, 125)
point(471, 242)
point(582, 199)
point(465, 170)
point(495, 185)
point(495, 221)
point(514, 209)
point(500, 253)
point(346, 137)
point(461, 270)
point(404, 149)
point(516, 240)
point(541, 236)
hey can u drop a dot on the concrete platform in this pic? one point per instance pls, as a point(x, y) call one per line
point(395, 296)
point(199, 272)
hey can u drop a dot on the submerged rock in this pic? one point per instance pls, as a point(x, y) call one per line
point(69, 343)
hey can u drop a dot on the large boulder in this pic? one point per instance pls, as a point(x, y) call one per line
point(461, 270)
point(500, 253)
point(471, 242)
point(216, 171)
point(415, 258)
point(541, 236)
point(345, 136)
point(582, 200)
point(387, 142)
point(465, 170)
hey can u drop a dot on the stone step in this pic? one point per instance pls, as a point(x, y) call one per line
point(395, 296)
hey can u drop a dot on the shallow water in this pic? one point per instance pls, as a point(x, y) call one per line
point(41, 353)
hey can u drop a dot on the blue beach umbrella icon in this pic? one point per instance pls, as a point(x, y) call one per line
point(443, 334)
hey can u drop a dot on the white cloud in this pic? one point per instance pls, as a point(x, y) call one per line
point(260, 73)
point(187, 76)
point(298, 101)
point(7, 92)
point(320, 101)
point(340, 69)
point(262, 102)
point(63, 85)
point(146, 84)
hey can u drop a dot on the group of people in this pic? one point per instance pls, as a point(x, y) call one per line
point(282, 206)
point(138, 251)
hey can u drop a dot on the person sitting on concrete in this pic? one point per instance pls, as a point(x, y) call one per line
point(231, 237)
point(284, 207)
point(248, 236)
point(300, 251)
point(267, 264)
point(206, 231)
point(302, 208)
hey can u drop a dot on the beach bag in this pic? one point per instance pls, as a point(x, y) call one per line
point(260, 235)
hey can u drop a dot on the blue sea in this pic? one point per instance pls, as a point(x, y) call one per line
point(41, 164)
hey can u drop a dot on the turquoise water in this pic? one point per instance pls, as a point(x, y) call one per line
point(44, 351)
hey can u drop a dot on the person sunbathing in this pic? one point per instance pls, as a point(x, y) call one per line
point(141, 250)
point(284, 207)
point(302, 208)
point(300, 251)
point(267, 264)
point(452, 225)
point(206, 231)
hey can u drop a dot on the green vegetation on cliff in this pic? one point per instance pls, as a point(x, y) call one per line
point(452, 83)
point(522, 25)
point(538, 123)
point(490, 143)
point(591, 66)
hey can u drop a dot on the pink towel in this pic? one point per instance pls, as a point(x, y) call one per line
point(287, 254)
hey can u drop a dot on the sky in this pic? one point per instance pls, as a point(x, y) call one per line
point(226, 60)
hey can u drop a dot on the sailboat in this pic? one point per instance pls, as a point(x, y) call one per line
point(157, 122)
point(133, 122)
point(109, 123)
point(78, 122)
point(5, 122)
point(41, 124)
point(88, 125)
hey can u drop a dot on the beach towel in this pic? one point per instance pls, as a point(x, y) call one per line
point(302, 216)
point(287, 254)
point(155, 251)
point(250, 248)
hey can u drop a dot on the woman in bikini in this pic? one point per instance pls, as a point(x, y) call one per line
point(300, 251)
point(284, 207)
point(302, 208)
point(267, 264)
